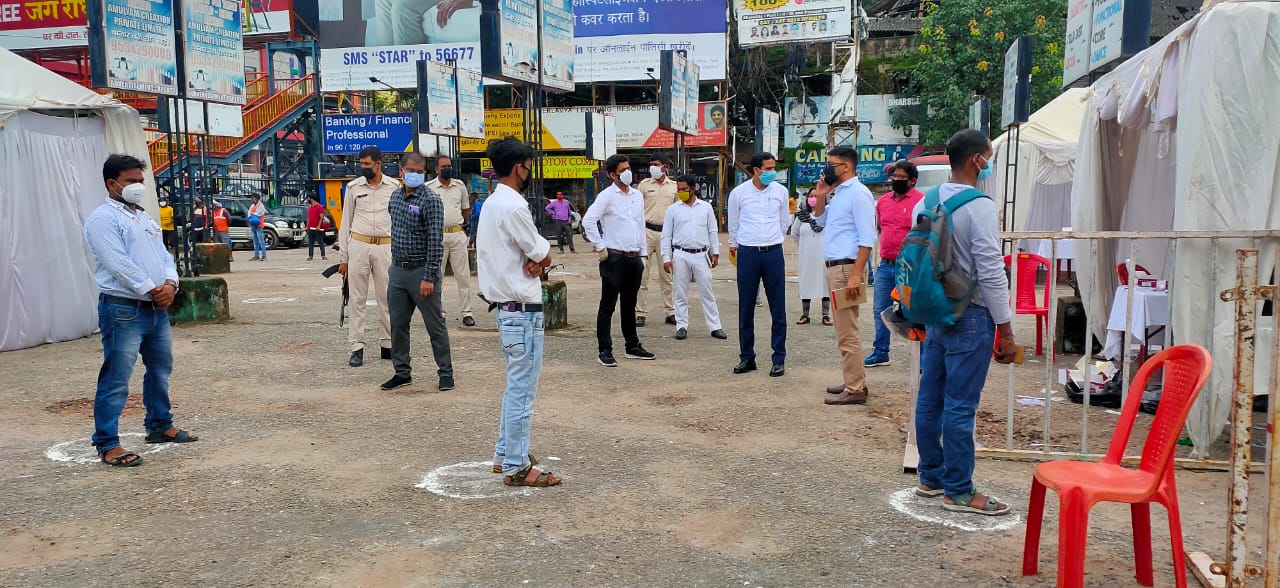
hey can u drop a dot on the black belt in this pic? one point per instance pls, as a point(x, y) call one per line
point(691, 250)
point(761, 247)
point(122, 301)
point(625, 253)
point(516, 306)
point(409, 264)
point(653, 227)
point(838, 262)
point(889, 260)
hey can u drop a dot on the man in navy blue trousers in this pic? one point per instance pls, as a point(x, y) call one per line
point(758, 219)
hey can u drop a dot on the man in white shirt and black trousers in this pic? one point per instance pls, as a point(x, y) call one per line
point(690, 248)
point(758, 217)
point(510, 257)
point(620, 243)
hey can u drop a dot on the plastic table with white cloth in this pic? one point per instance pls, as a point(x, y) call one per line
point(1150, 315)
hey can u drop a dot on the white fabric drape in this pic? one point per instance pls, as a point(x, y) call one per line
point(1172, 139)
point(1050, 210)
point(47, 288)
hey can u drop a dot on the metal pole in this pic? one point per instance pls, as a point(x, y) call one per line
point(1246, 298)
point(1088, 364)
point(1272, 537)
point(1013, 305)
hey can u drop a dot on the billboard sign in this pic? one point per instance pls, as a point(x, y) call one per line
point(559, 167)
point(214, 50)
point(766, 131)
point(349, 133)
point(808, 165)
point(510, 49)
point(615, 40)
point(873, 158)
point(774, 22)
point(1075, 59)
point(357, 44)
point(878, 111)
point(1015, 106)
point(806, 120)
point(44, 24)
point(691, 94)
point(133, 46)
point(470, 104)
point(672, 95)
point(442, 99)
point(602, 136)
point(555, 18)
point(636, 127)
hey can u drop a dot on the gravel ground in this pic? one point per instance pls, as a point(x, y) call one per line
point(676, 471)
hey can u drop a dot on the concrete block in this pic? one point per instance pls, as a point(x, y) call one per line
point(200, 299)
point(555, 305)
point(471, 261)
point(213, 258)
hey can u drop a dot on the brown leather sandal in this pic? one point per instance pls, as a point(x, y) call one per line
point(521, 478)
point(804, 320)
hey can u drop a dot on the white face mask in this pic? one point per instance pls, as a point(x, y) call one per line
point(655, 172)
point(625, 177)
point(133, 193)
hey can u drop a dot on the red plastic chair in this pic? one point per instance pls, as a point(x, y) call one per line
point(1080, 485)
point(1122, 272)
point(1029, 265)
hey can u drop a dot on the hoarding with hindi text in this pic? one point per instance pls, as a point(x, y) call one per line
point(615, 40)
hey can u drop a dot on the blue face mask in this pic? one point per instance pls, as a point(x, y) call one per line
point(768, 177)
point(985, 172)
point(414, 179)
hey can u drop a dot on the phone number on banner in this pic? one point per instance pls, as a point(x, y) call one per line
point(365, 56)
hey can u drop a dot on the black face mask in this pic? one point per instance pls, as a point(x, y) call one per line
point(446, 173)
point(901, 186)
point(524, 182)
point(829, 175)
point(368, 173)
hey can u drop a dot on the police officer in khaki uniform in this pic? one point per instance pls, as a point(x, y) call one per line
point(365, 237)
point(457, 206)
point(659, 194)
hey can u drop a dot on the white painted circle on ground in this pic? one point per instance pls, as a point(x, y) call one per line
point(930, 510)
point(468, 481)
point(334, 289)
point(82, 451)
point(267, 300)
point(287, 269)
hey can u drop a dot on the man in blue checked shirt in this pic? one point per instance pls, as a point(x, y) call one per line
point(137, 282)
point(417, 250)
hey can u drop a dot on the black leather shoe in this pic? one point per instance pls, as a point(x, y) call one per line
point(357, 358)
point(468, 321)
point(777, 370)
point(446, 383)
point(396, 381)
point(639, 321)
point(671, 319)
point(745, 366)
point(386, 353)
point(681, 334)
point(719, 334)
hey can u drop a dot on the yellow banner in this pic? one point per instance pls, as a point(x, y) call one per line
point(560, 167)
point(502, 123)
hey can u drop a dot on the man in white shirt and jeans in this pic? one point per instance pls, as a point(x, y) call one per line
point(690, 249)
point(510, 257)
point(621, 247)
point(758, 217)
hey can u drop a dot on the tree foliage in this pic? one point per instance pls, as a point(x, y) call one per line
point(962, 45)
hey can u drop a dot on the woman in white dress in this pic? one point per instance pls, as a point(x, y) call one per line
point(813, 282)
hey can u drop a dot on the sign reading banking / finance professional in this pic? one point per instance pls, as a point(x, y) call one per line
point(349, 133)
point(138, 39)
point(214, 50)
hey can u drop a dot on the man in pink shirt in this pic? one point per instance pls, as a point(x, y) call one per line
point(559, 212)
point(893, 216)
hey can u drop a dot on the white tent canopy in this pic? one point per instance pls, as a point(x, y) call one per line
point(1046, 155)
point(54, 137)
point(1186, 136)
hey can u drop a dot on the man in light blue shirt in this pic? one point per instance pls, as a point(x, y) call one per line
point(137, 281)
point(849, 234)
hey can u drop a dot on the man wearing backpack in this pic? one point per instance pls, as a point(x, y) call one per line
point(956, 356)
point(849, 234)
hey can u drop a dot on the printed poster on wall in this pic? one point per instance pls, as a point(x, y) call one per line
point(615, 40)
point(138, 42)
point(359, 40)
point(470, 104)
point(673, 100)
point(775, 22)
point(214, 51)
point(442, 100)
point(635, 127)
point(556, 20)
point(806, 120)
point(43, 24)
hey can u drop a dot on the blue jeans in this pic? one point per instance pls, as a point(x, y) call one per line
point(521, 334)
point(128, 330)
point(953, 371)
point(259, 243)
point(883, 289)
point(754, 267)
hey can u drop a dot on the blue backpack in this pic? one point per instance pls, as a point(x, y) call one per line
point(930, 291)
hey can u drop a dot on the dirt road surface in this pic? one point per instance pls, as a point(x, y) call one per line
point(676, 471)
